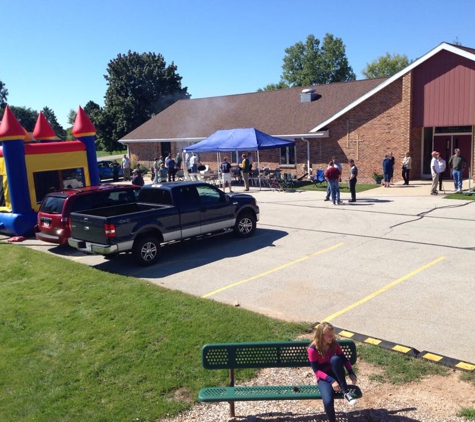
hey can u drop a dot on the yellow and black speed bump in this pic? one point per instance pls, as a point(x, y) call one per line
point(409, 351)
point(444, 360)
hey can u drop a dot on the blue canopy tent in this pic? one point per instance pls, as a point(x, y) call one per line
point(248, 139)
point(244, 139)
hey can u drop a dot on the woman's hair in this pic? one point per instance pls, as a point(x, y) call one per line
point(318, 338)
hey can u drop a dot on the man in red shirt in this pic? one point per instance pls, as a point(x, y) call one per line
point(332, 176)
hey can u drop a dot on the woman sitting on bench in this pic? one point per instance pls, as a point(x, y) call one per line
point(328, 363)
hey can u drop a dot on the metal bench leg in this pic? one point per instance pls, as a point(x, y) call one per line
point(232, 411)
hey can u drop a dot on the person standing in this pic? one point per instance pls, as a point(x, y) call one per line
point(393, 160)
point(387, 170)
point(442, 167)
point(406, 167)
point(332, 175)
point(328, 363)
point(353, 180)
point(226, 174)
point(457, 163)
point(170, 164)
point(245, 171)
point(115, 171)
point(194, 164)
point(178, 161)
point(126, 167)
point(336, 164)
point(434, 171)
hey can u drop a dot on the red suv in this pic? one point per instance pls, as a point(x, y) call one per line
point(53, 216)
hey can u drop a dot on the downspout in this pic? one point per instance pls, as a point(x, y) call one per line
point(309, 170)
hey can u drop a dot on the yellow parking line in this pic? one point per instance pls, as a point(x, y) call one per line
point(273, 270)
point(385, 288)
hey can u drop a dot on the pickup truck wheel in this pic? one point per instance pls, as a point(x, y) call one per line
point(146, 250)
point(245, 225)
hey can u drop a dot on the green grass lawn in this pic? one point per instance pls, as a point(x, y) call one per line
point(79, 344)
point(106, 153)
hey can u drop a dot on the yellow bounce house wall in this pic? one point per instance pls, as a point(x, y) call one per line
point(50, 162)
point(3, 172)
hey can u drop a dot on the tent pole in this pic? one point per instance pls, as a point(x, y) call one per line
point(259, 170)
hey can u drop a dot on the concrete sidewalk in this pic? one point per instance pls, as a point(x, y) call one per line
point(416, 188)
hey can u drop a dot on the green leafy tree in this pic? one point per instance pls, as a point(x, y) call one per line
point(72, 117)
point(57, 128)
point(274, 87)
point(310, 63)
point(139, 86)
point(386, 66)
point(26, 116)
point(104, 127)
point(3, 98)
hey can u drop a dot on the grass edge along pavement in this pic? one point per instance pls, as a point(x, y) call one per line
point(78, 343)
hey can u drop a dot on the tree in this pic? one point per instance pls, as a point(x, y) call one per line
point(309, 64)
point(72, 117)
point(386, 66)
point(139, 86)
point(273, 87)
point(3, 97)
point(104, 127)
point(26, 116)
point(57, 128)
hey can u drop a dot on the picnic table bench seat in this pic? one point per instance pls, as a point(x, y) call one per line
point(282, 354)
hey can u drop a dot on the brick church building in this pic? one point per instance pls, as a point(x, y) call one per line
point(429, 105)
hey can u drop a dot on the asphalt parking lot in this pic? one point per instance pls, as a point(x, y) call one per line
point(395, 265)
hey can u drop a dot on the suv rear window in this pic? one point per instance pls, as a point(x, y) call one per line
point(104, 199)
point(53, 204)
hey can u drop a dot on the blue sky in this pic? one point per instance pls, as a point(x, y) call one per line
point(54, 53)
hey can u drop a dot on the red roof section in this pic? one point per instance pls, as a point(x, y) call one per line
point(10, 128)
point(82, 125)
point(43, 131)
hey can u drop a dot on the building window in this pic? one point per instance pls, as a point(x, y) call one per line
point(287, 155)
point(166, 149)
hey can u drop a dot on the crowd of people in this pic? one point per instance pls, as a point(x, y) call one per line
point(164, 170)
point(457, 163)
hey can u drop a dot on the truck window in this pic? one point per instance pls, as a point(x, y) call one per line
point(208, 195)
point(188, 197)
point(155, 196)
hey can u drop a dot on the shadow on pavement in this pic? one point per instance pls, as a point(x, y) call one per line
point(191, 254)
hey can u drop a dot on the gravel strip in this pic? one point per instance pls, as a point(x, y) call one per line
point(432, 400)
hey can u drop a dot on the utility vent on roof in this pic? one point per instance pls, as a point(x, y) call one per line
point(308, 95)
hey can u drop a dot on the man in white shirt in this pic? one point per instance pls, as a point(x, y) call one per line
point(126, 167)
point(434, 170)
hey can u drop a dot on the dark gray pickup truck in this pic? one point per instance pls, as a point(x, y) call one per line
point(162, 213)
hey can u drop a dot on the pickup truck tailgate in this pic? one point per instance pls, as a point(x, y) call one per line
point(88, 228)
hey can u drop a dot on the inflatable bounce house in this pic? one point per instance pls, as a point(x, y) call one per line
point(31, 169)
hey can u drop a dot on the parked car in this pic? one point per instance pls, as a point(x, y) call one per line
point(162, 213)
point(53, 216)
point(105, 170)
